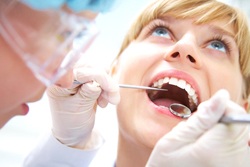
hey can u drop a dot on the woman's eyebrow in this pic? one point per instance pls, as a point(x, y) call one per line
point(218, 30)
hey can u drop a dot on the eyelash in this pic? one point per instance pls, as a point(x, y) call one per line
point(157, 24)
point(226, 43)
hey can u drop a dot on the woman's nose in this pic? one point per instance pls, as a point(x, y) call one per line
point(186, 50)
point(66, 80)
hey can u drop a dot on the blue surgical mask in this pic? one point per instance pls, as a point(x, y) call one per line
point(75, 5)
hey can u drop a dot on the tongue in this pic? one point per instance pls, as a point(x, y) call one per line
point(164, 102)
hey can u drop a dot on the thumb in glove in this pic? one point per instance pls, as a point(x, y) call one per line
point(73, 112)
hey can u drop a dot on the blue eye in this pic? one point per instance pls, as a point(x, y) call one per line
point(162, 32)
point(218, 45)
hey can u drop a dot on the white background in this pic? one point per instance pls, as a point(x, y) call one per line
point(20, 135)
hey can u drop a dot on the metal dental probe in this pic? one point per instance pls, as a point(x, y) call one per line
point(131, 86)
point(140, 87)
point(179, 109)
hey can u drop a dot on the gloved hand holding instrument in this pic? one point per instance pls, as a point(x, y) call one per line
point(73, 110)
point(203, 141)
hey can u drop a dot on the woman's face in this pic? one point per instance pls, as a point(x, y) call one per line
point(191, 61)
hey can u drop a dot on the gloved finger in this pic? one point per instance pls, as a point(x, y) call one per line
point(108, 97)
point(233, 108)
point(110, 89)
point(209, 112)
point(90, 91)
point(102, 102)
point(207, 115)
point(88, 73)
point(111, 97)
point(236, 130)
point(56, 91)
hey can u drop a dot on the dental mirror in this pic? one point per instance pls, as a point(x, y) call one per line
point(180, 110)
point(184, 112)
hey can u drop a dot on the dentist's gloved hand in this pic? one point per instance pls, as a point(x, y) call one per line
point(73, 110)
point(203, 142)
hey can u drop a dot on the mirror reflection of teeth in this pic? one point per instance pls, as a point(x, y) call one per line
point(192, 96)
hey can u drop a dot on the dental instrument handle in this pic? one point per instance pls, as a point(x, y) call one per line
point(140, 87)
point(235, 119)
point(130, 86)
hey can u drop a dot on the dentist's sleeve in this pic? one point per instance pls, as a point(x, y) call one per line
point(51, 153)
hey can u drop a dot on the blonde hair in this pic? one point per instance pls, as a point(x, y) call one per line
point(205, 11)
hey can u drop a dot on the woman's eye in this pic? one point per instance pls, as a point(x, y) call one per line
point(218, 45)
point(162, 32)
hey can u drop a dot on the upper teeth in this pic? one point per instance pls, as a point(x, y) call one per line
point(193, 100)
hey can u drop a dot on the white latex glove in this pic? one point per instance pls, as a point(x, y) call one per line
point(203, 142)
point(73, 110)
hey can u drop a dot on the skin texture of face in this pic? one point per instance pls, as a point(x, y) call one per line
point(19, 85)
point(205, 56)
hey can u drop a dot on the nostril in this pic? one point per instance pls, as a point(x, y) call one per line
point(191, 58)
point(176, 54)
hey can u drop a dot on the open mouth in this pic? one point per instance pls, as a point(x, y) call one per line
point(179, 91)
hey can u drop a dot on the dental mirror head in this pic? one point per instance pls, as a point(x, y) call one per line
point(180, 110)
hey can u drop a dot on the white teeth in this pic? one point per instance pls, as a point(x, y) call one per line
point(187, 87)
point(181, 84)
point(191, 92)
point(160, 83)
point(195, 100)
point(173, 81)
point(165, 80)
point(155, 84)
